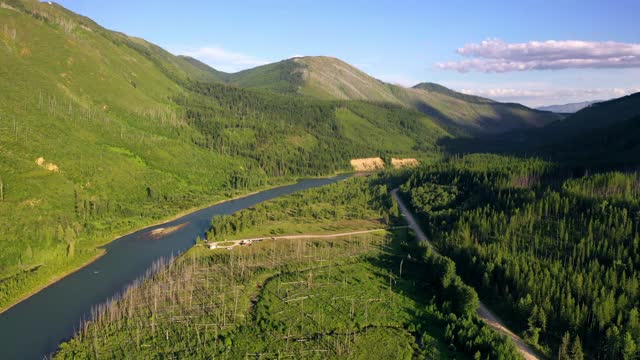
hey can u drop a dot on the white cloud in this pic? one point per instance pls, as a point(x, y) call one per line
point(497, 56)
point(547, 95)
point(223, 59)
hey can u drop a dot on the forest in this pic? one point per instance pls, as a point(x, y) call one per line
point(555, 254)
point(311, 298)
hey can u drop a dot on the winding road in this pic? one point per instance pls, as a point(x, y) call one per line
point(483, 312)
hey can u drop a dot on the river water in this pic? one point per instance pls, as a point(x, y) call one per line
point(35, 327)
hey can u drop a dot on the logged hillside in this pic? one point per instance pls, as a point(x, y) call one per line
point(330, 78)
point(101, 133)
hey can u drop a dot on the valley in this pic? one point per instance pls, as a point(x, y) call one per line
point(216, 204)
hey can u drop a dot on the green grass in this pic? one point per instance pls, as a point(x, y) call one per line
point(362, 131)
point(282, 77)
point(353, 206)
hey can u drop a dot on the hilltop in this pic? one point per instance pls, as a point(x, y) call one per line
point(325, 77)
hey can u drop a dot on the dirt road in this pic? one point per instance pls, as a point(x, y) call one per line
point(235, 243)
point(483, 312)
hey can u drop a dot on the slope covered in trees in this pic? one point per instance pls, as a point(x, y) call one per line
point(600, 115)
point(559, 257)
point(101, 133)
point(602, 136)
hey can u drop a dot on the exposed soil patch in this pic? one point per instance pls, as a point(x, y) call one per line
point(400, 163)
point(367, 164)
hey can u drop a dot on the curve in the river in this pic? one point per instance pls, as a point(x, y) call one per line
point(34, 327)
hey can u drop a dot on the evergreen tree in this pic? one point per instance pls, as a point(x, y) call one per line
point(576, 349)
point(630, 347)
point(563, 351)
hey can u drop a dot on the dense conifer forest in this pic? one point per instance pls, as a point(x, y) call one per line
point(556, 255)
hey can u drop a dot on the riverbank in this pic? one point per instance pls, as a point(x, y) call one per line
point(90, 259)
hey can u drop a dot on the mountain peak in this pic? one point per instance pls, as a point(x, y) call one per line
point(330, 78)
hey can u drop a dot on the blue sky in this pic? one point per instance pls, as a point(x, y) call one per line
point(407, 41)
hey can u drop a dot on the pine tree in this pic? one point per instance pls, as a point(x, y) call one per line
point(563, 351)
point(576, 349)
point(630, 347)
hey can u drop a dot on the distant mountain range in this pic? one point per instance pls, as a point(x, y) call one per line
point(329, 78)
point(568, 108)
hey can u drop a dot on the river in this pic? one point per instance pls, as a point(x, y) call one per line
point(35, 327)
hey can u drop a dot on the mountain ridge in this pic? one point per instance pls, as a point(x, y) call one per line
point(330, 78)
point(568, 108)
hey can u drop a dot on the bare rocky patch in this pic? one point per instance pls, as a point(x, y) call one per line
point(400, 163)
point(367, 164)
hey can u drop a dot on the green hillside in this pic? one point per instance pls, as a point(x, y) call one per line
point(461, 113)
point(282, 77)
point(330, 78)
point(604, 135)
point(437, 88)
point(600, 115)
point(101, 133)
point(208, 72)
point(616, 146)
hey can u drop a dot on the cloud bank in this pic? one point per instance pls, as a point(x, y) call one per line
point(223, 59)
point(497, 56)
point(548, 95)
